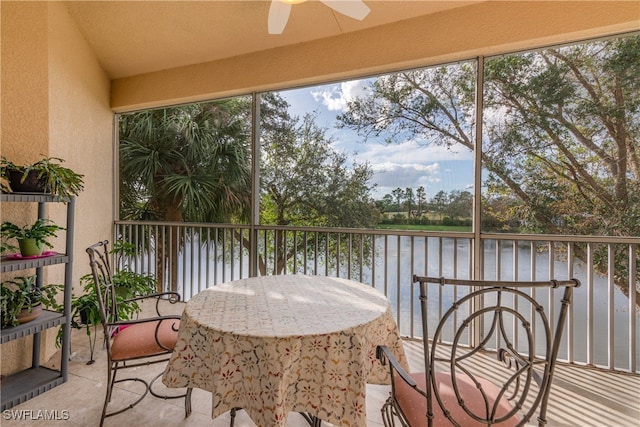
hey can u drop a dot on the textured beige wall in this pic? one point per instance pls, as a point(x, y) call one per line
point(81, 128)
point(481, 29)
point(25, 127)
point(55, 102)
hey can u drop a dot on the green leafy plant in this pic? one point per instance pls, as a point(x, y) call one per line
point(22, 293)
point(85, 311)
point(127, 284)
point(47, 172)
point(39, 231)
point(5, 166)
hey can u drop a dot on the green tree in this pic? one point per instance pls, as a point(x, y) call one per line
point(305, 182)
point(386, 204)
point(421, 199)
point(561, 133)
point(398, 194)
point(187, 163)
point(570, 141)
point(408, 201)
point(439, 203)
point(460, 205)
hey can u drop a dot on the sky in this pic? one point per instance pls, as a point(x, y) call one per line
point(405, 164)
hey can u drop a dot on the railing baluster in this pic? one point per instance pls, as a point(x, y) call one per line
point(326, 253)
point(590, 297)
point(306, 253)
point(499, 260)
point(232, 254)
point(533, 258)
point(361, 258)
point(207, 254)
point(610, 307)
point(349, 255)
point(338, 244)
point(569, 325)
point(315, 255)
point(552, 274)
point(386, 269)
point(186, 236)
point(426, 255)
point(241, 253)
point(399, 279)
point(633, 265)
point(194, 248)
point(215, 255)
point(168, 268)
point(440, 273)
point(224, 255)
point(411, 268)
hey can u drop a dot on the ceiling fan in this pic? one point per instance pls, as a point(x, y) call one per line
point(280, 10)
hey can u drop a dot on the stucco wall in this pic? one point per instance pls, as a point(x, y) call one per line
point(81, 127)
point(481, 29)
point(55, 102)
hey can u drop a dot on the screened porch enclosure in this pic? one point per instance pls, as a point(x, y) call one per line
point(522, 166)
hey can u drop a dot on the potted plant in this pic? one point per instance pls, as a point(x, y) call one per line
point(44, 176)
point(85, 311)
point(21, 300)
point(31, 238)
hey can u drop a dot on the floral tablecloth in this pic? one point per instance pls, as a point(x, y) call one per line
point(276, 344)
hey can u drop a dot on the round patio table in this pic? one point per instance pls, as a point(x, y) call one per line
point(289, 343)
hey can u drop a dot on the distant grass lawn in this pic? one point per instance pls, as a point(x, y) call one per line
point(424, 227)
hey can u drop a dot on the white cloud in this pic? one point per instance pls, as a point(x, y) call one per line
point(388, 176)
point(398, 165)
point(335, 97)
point(389, 167)
point(411, 165)
point(409, 152)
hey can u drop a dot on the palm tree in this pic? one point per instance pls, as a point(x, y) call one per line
point(188, 163)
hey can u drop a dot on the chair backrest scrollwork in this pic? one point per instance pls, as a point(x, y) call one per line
point(498, 342)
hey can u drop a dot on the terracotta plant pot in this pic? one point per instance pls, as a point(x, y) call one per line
point(25, 316)
point(29, 247)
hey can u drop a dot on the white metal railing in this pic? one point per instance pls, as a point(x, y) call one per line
point(602, 328)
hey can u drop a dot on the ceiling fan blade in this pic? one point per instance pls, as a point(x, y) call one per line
point(278, 16)
point(355, 9)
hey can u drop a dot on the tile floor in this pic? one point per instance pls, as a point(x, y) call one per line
point(580, 397)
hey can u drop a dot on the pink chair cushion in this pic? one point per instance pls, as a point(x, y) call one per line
point(139, 339)
point(117, 330)
point(414, 405)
